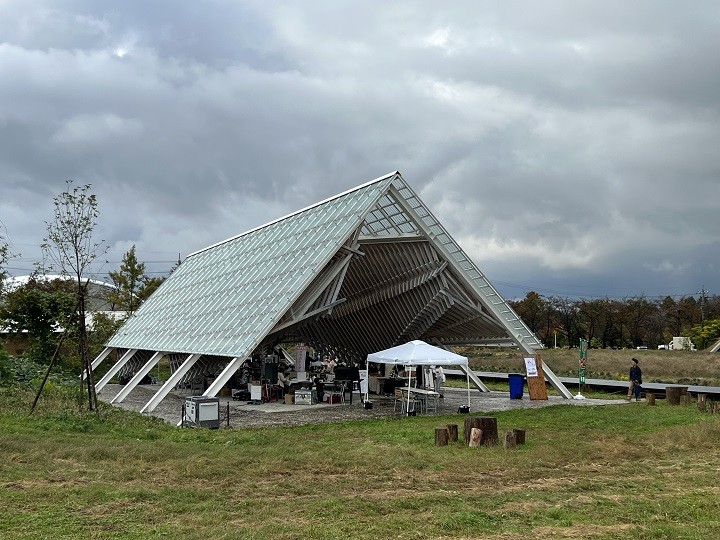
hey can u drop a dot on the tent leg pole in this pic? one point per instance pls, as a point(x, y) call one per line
point(467, 379)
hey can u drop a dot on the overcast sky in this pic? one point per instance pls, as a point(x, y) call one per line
point(571, 148)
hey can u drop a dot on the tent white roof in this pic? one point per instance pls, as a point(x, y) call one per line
point(417, 353)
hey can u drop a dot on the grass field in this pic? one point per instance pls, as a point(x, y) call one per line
point(684, 367)
point(624, 471)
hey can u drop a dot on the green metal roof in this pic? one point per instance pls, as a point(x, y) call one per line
point(223, 300)
point(359, 272)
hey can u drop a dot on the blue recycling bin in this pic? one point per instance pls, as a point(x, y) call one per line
point(517, 381)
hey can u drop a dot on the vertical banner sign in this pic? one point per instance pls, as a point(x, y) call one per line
point(583, 360)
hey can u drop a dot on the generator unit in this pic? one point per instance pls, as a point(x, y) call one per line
point(202, 411)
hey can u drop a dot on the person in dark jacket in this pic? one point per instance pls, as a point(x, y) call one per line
point(635, 381)
point(319, 389)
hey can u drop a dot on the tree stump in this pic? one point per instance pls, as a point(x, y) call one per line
point(519, 435)
point(475, 437)
point(715, 407)
point(468, 423)
point(441, 436)
point(673, 395)
point(488, 425)
point(509, 440)
point(452, 430)
point(684, 399)
point(650, 399)
point(701, 402)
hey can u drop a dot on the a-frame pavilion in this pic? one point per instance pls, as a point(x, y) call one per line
point(362, 271)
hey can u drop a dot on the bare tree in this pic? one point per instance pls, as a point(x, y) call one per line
point(69, 244)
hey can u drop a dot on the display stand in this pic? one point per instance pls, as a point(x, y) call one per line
point(535, 378)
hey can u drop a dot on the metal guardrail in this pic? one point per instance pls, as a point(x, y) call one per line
point(608, 385)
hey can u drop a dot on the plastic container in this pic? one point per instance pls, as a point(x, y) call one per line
point(517, 382)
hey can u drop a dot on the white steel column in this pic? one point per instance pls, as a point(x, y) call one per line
point(101, 357)
point(170, 383)
point(132, 383)
point(224, 377)
point(124, 359)
point(474, 378)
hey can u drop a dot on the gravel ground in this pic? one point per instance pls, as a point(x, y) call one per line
point(244, 415)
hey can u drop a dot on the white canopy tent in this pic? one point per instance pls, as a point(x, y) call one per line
point(418, 353)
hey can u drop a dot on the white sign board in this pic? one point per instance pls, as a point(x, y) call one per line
point(363, 381)
point(531, 367)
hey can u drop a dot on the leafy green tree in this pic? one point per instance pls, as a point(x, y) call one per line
point(5, 256)
point(706, 335)
point(39, 308)
point(567, 314)
point(149, 286)
point(689, 311)
point(128, 281)
point(70, 245)
point(530, 310)
point(6, 375)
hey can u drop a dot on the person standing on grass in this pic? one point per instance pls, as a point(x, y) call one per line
point(635, 381)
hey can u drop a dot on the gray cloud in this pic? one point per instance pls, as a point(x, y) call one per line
point(567, 146)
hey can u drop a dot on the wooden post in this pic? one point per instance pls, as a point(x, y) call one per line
point(701, 402)
point(475, 437)
point(673, 395)
point(488, 425)
point(452, 430)
point(441, 436)
point(650, 399)
point(519, 435)
point(684, 399)
point(509, 440)
point(716, 407)
point(536, 384)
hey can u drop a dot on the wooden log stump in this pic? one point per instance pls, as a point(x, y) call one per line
point(468, 423)
point(702, 402)
point(441, 436)
point(452, 430)
point(673, 395)
point(475, 437)
point(488, 425)
point(519, 435)
point(684, 399)
point(715, 407)
point(509, 440)
point(650, 399)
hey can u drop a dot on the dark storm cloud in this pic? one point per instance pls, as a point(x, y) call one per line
point(566, 145)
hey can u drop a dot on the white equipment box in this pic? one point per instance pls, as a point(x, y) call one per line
point(202, 411)
point(305, 397)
